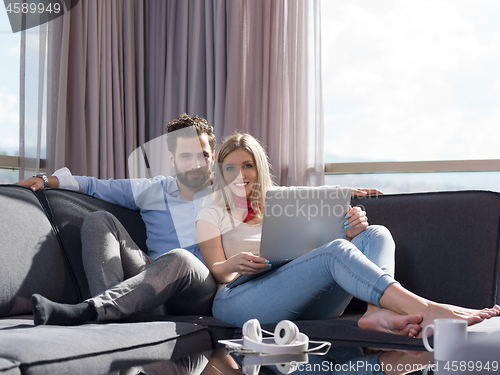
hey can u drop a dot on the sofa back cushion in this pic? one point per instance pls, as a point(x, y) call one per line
point(68, 209)
point(447, 243)
point(31, 256)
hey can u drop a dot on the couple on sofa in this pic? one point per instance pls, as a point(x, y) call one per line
point(125, 281)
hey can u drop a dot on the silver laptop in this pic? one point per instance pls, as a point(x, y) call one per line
point(297, 221)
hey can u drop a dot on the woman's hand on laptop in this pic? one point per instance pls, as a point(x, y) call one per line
point(247, 263)
point(355, 222)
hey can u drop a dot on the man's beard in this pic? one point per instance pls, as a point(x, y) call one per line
point(195, 182)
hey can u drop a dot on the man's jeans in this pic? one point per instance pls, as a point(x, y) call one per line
point(124, 281)
point(318, 285)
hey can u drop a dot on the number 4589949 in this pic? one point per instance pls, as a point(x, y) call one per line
point(465, 366)
point(33, 8)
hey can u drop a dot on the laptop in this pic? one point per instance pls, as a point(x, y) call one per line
point(297, 221)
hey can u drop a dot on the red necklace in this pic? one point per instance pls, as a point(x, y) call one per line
point(241, 202)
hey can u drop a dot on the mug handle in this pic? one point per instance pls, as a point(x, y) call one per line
point(424, 338)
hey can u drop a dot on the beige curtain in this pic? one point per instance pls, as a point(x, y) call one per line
point(96, 113)
point(274, 84)
point(119, 70)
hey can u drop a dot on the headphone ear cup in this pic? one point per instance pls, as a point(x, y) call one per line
point(285, 333)
point(251, 370)
point(286, 368)
point(252, 330)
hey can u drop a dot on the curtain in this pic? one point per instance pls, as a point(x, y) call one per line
point(119, 70)
point(274, 84)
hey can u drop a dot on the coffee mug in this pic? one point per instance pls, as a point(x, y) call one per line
point(449, 334)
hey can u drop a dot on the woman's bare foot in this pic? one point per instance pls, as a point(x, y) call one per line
point(402, 301)
point(443, 311)
point(379, 319)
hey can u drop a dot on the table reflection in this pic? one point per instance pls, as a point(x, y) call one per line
point(339, 360)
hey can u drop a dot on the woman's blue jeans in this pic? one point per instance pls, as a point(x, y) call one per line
point(318, 285)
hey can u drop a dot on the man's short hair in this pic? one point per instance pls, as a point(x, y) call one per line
point(178, 128)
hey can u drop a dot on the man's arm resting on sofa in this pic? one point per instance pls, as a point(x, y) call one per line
point(62, 178)
point(361, 192)
point(36, 183)
point(124, 192)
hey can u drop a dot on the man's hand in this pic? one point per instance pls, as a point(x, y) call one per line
point(359, 192)
point(36, 183)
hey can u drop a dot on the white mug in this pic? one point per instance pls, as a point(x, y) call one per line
point(449, 334)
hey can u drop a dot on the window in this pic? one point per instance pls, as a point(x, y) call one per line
point(9, 99)
point(412, 81)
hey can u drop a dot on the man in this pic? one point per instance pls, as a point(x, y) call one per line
point(119, 273)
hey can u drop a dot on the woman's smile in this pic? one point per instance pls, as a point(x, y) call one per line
point(240, 172)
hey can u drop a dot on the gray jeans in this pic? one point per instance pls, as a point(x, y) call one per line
point(124, 281)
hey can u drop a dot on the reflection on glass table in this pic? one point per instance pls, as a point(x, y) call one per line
point(339, 360)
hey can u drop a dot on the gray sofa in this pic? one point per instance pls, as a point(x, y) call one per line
point(446, 250)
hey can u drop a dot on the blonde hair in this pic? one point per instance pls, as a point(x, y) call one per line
point(223, 197)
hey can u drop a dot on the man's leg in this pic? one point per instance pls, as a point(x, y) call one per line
point(177, 279)
point(108, 252)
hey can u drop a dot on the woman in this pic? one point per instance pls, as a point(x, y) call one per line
point(228, 234)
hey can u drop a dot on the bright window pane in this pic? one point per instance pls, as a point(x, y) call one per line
point(9, 87)
point(8, 176)
point(411, 80)
point(419, 182)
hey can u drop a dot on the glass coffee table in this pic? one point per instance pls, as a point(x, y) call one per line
point(338, 360)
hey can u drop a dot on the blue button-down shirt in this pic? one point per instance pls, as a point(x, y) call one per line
point(169, 219)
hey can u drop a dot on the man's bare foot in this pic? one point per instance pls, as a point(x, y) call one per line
point(442, 311)
point(384, 320)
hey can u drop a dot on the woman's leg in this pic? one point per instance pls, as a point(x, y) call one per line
point(109, 254)
point(288, 291)
point(291, 289)
point(377, 244)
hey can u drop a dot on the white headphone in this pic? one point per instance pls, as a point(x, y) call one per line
point(287, 338)
point(287, 342)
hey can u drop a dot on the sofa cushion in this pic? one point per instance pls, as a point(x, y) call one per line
point(68, 209)
point(97, 348)
point(31, 259)
point(8, 367)
point(447, 243)
point(218, 329)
